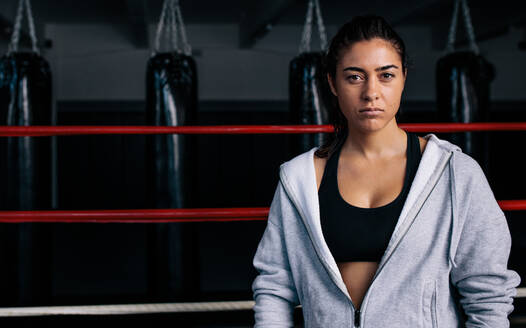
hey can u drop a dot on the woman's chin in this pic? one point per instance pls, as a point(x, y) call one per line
point(370, 125)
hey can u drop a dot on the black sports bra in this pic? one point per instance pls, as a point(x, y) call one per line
point(356, 233)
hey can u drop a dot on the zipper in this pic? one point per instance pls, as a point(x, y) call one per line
point(357, 319)
point(435, 177)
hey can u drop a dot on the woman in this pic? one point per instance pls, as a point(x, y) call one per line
point(379, 227)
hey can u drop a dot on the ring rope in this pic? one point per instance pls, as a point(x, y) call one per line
point(127, 308)
point(40, 130)
point(138, 216)
point(117, 309)
point(166, 215)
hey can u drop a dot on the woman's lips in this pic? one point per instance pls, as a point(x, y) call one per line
point(371, 110)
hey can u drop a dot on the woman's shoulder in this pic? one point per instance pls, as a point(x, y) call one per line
point(466, 164)
point(470, 178)
point(300, 164)
point(301, 159)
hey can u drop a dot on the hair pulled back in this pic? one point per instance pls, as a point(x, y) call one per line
point(360, 28)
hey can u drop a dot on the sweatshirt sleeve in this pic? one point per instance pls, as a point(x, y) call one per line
point(485, 284)
point(274, 290)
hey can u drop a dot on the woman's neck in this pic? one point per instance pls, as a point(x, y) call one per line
point(387, 142)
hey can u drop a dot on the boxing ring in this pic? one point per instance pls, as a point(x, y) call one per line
point(191, 215)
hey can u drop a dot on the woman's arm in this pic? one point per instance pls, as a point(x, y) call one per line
point(274, 290)
point(480, 272)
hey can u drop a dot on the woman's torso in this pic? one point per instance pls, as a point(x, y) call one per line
point(378, 186)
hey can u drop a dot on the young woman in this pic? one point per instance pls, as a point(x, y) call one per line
point(380, 227)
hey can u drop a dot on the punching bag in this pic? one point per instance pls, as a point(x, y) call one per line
point(171, 101)
point(171, 94)
point(463, 88)
point(25, 100)
point(309, 93)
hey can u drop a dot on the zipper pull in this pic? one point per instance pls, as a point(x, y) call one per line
point(357, 318)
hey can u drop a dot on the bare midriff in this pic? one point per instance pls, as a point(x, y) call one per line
point(359, 275)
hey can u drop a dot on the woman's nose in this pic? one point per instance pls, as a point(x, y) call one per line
point(370, 91)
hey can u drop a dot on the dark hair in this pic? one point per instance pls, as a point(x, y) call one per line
point(358, 29)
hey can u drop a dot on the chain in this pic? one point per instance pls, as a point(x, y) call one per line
point(171, 16)
point(307, 28)
point(160, 27)
point(187, 49)
point(469, 26)
point(15, 38)
point(321, 26)
point(467, 23)
point(172, 23)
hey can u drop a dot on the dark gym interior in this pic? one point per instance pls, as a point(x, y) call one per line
point(98, 52)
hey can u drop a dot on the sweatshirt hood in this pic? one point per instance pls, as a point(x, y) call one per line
point(298, 177)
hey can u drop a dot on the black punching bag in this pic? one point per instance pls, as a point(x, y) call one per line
point(25, 100)
point(463, 88)
point(309, 93)
point(308, 97)
point(171, 94)
point(171, 101)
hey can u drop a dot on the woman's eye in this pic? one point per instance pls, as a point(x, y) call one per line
point(353, 78)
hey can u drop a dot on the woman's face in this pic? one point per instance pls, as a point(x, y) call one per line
point(369, 75)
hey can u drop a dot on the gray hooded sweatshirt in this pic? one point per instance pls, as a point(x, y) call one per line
point(445, 264)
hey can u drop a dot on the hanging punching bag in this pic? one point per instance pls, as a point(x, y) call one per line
point(171, 101)
point(25, 99)
point(463, 87)
point(309, 93)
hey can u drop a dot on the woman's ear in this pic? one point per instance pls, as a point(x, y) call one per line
point(331, 85)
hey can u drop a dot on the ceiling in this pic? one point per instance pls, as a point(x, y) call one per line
point(255, 18)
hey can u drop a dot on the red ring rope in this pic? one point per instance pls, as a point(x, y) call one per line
point(205, 215)
point(139, 215)
point(166, 215)
point(19, 131)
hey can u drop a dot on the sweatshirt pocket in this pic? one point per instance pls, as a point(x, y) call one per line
point(429, 305)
